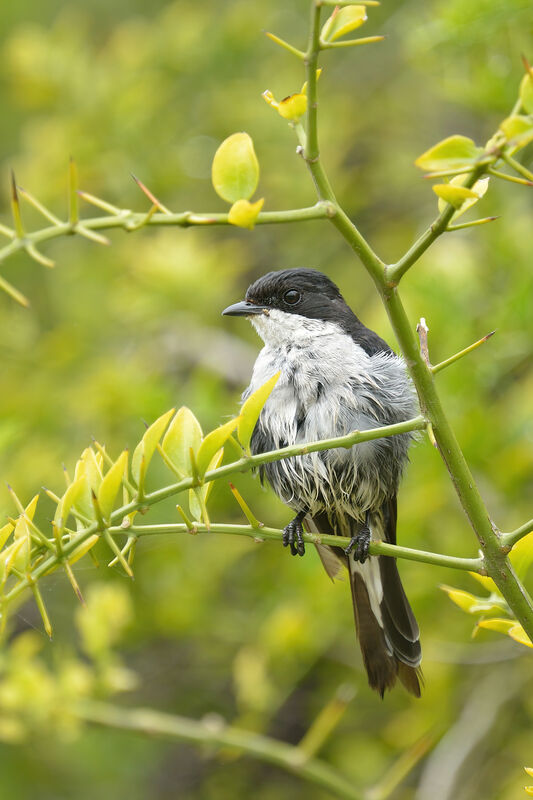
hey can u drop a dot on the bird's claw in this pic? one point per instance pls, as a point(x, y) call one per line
point(359, 544)
point(293, 536)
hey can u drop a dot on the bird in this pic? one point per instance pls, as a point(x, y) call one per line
point(336, 376)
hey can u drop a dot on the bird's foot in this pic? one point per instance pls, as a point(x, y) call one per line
point(293, 536)
point(360, 545)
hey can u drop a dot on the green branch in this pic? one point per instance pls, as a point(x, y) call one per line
point(497, 564)
point(260, 533)
point(510, 539)
point(244, 464)
point(129, 221)
point(218, 733)
point(395, 272)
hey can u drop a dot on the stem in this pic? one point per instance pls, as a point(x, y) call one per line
point(396, 271)
point(272, 751)
point(510, 539)
point(129, 220)
point(517, 166)
point(244, 464)
point(274, 534)
point(496, 562)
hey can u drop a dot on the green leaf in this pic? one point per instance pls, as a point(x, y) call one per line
point(251, 409)
point(518, 130)
point(111, 483)
point(145, 450)
point(526, 92)
point(452, 153)
point(183, 434)
point(343, 21)
point(212, 443)
point(235, 169)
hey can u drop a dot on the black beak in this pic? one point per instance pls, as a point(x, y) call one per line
point(244, 309)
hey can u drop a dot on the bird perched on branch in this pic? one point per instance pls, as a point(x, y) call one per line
point(337, 376)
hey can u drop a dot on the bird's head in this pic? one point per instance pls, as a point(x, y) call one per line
point(283, 303)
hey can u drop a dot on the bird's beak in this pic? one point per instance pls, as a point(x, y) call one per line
point(244, 309)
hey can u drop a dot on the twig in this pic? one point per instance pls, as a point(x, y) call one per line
point(274, 534)
point(217, 732)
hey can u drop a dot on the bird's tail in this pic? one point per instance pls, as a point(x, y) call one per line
point(386, 627)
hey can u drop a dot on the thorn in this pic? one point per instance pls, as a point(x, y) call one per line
point(461, 353)
point(92, 235)
point(527, 66)
point(15, 208)
point(39, 206)
point(105, 206)
point(149, 195)
point(73, 193)
point(39, 257)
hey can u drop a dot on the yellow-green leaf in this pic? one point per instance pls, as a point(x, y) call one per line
point(212, 443)
point(518, 130)
point(251, 409)
point(472, 604)
point(497, 624)
point(475, 193)
point(529, 771)
point(528, 789)
point(5, 533)
point(146, 447)
point(343, 21)
point(235, 169)
point(184, 433)
point(486, 582)
point(83, 548)
point(111, 483)
point(463, 599)
point(293, 107)
point(244, 214)
point(30, 508)
point(451, 153)
point(521, 555)
point(9, 557)
point(199, 496)
point(454, 195)
point(213, 464)
point(69, 499)
point(526, 92)
point(519, 635)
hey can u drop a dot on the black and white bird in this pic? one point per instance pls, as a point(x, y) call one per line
point(337, 376)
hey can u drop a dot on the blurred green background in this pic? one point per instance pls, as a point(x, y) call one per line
point(118, 335)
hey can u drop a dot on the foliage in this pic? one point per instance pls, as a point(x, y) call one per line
point(106, 359)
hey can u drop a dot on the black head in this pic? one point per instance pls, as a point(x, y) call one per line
point(310, 294)
point(306, 292)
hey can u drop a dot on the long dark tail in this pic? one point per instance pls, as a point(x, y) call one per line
point(386, 627)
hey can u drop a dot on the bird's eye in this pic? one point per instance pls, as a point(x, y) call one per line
point(292, 297)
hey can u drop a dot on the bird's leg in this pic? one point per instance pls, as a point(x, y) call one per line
point(360, 543)
point(293, 535)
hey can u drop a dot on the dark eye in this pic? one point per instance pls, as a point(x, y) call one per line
point(292, 297)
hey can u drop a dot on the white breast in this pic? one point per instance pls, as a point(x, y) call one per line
point(328, 386)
